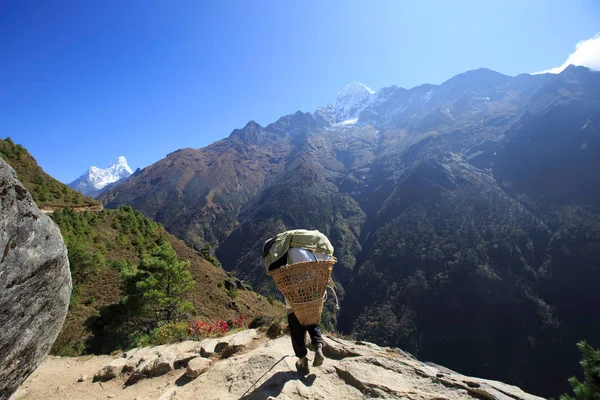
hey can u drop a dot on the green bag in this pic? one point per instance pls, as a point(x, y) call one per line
point(302, 238)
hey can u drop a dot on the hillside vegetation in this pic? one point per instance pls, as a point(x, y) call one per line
point(47, 192)
point(103, 248)
point(107, 248)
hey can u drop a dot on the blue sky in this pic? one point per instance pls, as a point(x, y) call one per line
point(82, 82)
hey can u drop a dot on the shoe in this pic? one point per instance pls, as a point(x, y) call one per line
point(302, 366)
point(319, 357)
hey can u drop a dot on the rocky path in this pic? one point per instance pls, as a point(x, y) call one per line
point(95, 208)
point(247, 365)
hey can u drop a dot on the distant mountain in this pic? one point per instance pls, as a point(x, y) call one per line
point(465, 216)
point(95, 179)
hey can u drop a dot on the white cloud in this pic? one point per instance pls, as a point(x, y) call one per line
point(587, 53)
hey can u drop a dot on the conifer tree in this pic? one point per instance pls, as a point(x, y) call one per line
point(589, 389)
point(155, 289)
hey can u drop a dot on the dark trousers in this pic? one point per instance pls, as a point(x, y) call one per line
point(298, 333)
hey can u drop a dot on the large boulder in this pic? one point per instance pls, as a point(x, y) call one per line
point(35, 283)
point(164, 364)
point(207, 347)
point(197, 366)
point(233, 343)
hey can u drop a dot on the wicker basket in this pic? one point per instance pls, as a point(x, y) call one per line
point(303, 285)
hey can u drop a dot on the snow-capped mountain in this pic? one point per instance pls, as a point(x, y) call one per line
point(95, 179)
point(350, 102)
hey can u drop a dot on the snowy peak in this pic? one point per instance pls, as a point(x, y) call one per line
point(351, 100)
point(354, 89)
point(349, 103)
point(95, 179)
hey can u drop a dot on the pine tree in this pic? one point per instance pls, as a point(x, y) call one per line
point(589, 389)
point(206, 252)
point(155, 289)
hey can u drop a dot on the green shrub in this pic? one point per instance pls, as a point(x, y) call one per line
point(75, 296)
point(232, 292)
point(168, 333)
point(207, 253)
point(76, 349)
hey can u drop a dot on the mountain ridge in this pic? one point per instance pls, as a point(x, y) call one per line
point(429, 195)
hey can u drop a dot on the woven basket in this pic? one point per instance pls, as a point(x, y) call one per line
point(303, 285)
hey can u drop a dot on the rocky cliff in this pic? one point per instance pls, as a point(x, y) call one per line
point(35, 283)
point(247, 365)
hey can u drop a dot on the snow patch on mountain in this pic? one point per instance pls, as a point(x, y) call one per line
point(347, 122)
point(95, 179)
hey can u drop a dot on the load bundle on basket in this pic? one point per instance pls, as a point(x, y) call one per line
point(304, 279)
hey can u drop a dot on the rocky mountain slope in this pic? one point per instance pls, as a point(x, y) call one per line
point(248, 366)
point(464, 215)
point(95, 179)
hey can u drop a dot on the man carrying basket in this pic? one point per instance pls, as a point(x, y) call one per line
point(300, 262)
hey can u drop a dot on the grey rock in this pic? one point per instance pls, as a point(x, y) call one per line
point(164, 364)
point(243, 338)
point(207, 347)
point(154, 365)
point(188, 346)
point(159, 349)
point(338, 349)
point(137, 356)
point(182, 360)
point(144, 370)
point(131, 364)
point(222, 346)
point(231, 344)
point(147, 366)
point(35, 283)
point(111, 371)
point(197, 366)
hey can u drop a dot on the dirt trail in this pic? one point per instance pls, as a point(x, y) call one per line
point(95, 208)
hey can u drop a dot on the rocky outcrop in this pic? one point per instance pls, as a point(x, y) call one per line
point(264, 369)
point(35, 283)
point(151, 362)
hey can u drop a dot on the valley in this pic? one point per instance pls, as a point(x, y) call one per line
point(452, 209)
